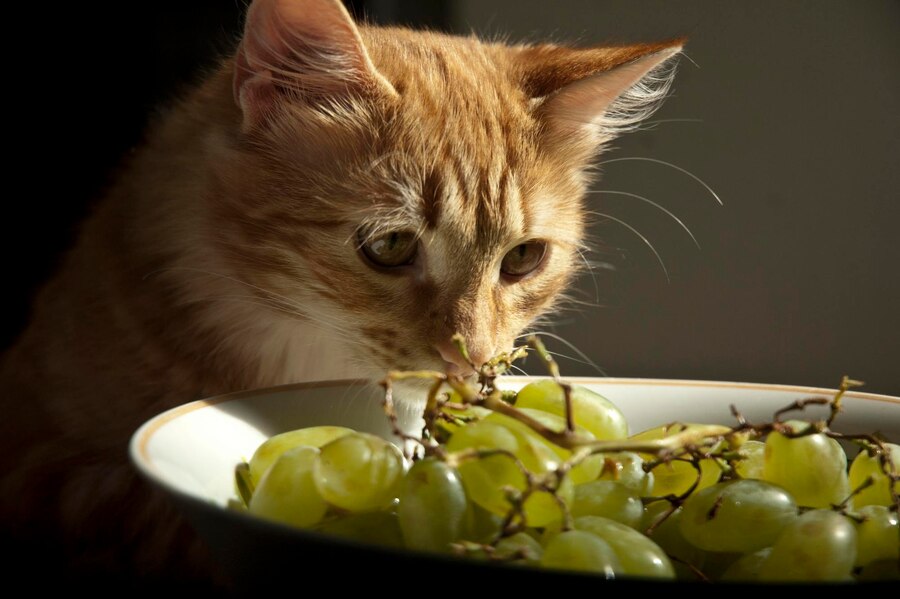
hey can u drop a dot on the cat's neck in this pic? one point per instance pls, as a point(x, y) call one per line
point(295, 351)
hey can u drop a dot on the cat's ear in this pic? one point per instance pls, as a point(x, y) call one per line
point(306, 49)
point(585, 97)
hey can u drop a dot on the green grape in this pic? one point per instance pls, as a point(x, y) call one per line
point(864, 466)
point(637, 554)
point(610, 500)
point(533, 451)
point(542, 508)
point(668, 536)
point(586, 471)
point(713, 564)
point(485, 478)
point(432, 507)
point(359, 472)
point(878, 536)
point(374, 528)
point(550, 531)
point(481, 525)
point(627, 468)
point(589, 468)
point(753, 462)
point(582, 552)
point(314, 436)
point(287, 492)
point(589, 410)
point(737, 516)
point(746, 568)
point(813, 469)
point(818, 546)
point(676, 477)
point(521, 547)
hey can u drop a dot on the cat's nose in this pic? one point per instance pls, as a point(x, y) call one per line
point(453, 360)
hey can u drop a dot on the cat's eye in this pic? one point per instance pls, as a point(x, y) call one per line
point(523, 259)
point(391, 249)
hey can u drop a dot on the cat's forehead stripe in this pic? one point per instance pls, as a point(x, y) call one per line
point(467, 120)
point(432, 192)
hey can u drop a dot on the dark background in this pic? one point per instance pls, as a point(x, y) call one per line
point(788, 110)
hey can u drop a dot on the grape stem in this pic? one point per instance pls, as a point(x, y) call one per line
point(843, 507)
point(836, 406)
point(694, 569)
point(692, 445)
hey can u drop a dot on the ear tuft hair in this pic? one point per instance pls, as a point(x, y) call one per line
point(638, 102)
point(593, 95)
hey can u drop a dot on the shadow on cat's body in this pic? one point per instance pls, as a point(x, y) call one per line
point(227, 255)
point(99, 358)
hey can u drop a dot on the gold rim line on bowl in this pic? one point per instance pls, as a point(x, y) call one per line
point(723, 385)
point(149, 428)
point(146, 432)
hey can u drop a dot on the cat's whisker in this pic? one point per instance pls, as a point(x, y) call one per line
point(670, 165)
point(569, 301)
point(600, 264)
point(591, 271)
point(607, 257)
point(651, 125)
point(570, 345)
point(270, 294)
point(573, 305)
point(254, 301)
point(689, 59)
point(603, 250)
point(644, 239)
point(291, 310)
point(652, 203)
point(576, 360)
point(279, 303)
point(539, 322)
point(333, 326)
point(518, 369)
point(657, 121)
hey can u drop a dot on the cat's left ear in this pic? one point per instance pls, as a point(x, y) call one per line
point(585, 97)
point(306, 50)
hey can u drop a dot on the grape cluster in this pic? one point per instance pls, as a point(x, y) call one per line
point(549, 477)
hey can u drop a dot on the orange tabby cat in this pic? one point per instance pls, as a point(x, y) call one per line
point(332, 202)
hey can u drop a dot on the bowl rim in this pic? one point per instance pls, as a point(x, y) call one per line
point(140, 439)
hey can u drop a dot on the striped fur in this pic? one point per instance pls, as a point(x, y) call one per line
point(226, 256)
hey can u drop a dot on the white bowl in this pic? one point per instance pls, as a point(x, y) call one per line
point(190, 452)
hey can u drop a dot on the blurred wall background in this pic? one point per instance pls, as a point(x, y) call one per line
point(787, 110)
point(797, 108)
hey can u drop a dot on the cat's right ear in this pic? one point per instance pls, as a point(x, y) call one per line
point(301, 50)
point(586, 97)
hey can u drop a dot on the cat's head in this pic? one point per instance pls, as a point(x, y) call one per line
point(396, 187)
